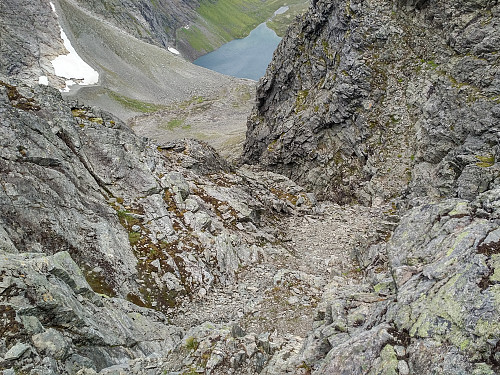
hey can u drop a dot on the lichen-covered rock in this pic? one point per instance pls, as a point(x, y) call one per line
point(372, 100)
point(55, 309)
point(438, 313)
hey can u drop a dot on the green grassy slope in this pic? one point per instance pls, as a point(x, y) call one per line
point(225, 20)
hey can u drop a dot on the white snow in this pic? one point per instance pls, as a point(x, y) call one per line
point(43, 80)
point(69, 83)
point(173, 50)
point(52, 6)
point(72, 66)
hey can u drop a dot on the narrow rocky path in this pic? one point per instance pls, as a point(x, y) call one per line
point(281, 292)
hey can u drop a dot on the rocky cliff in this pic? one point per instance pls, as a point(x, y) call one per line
point(155, 22)
point(373, 100)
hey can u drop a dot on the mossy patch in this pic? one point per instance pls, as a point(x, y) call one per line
point(98, 283)
point(300, 101)
point(19, 101)
point(389, 361)
point(83, 113)
point(191, 343)
point(485, 161)
point(134, 104)
point(176, 123)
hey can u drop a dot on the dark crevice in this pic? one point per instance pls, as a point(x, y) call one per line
point(64, 137)
point(402, 337)
point(489, 248)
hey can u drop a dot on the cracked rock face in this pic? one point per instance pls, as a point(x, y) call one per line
point(370, 100)
point(30, 39)
point(90, 207)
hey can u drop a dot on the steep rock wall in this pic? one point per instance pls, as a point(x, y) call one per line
point(155, 22)
point(372, 100)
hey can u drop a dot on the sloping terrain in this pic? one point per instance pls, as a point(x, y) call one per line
point(123, 255)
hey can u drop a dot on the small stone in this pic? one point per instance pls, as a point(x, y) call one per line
point(136, 228)
point(214, 361)
point(312, 198)
point(400, 350)
point(250, 348)
point(237, 331)
point(403, 368)
point(52, 343)
point(300, 201)
point(192, 205)
point(177, 183)
point(156, 263)
point(238, 359)
point(293, 300)
point(202, 221)
point(16, 352)
point(32, 324)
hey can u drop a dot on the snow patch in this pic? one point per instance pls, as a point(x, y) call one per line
point(72, 66)
point(43, 80)
point(69, 83)
point(174, 51)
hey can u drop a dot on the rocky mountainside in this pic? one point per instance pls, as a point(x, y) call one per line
point(372, 100)
point(119, 255)
point(155, 22)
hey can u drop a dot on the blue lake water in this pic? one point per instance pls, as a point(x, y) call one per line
point(244, 58)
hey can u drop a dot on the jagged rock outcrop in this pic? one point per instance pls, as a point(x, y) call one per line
point(151, 225)
point(30, 39)
point(116, 253)
point(371, 100)
point(54, 323)
point(427, 301)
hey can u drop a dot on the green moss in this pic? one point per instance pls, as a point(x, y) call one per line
point(134, 104)
point(133, 238)
point(458, 239)
point(382, 286)
point(432, 64)
point(176, 123)
point(464, 344)
point(191, 343)
point(389, 364)
point(495, 264)
point(485, 161)
point(483, 369)
point(300, 102)
point(126, 219)
point(97, 120)
point(98, 283)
